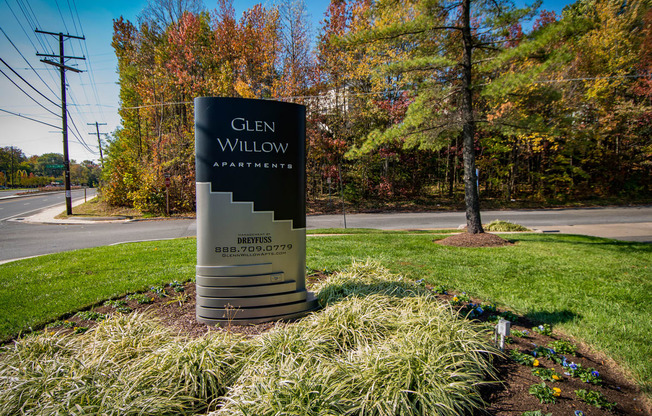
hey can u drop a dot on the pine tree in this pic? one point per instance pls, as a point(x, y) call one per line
point(443, 39)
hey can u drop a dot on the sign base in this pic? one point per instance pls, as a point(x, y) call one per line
point(257, 280)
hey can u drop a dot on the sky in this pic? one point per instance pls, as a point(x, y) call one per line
point(92, 95)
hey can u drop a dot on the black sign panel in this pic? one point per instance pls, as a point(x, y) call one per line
point(254, 149)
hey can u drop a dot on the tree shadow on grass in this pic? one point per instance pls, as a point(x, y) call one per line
point(552, 317)
point(585, 240)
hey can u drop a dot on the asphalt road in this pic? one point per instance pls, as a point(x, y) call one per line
point(620, 223)
point(15, 206)
point(528, 218)
point(19, 239)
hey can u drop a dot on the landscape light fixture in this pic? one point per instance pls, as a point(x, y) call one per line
point(502, 330)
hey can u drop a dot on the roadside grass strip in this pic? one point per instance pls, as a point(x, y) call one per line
point(381, 345)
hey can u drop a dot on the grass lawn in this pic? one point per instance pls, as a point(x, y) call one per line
point(596, 290)
point(39, 290)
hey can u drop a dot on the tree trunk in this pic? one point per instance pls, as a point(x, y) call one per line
point(471, 197)
point(450, 169)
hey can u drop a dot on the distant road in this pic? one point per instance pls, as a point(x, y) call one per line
point(18, 239)
point(14, 206)
point(622, 223)
point(529, 218)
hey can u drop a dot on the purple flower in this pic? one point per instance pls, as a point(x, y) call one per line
point(479, 309)
point(595, 373)
point(573, 366)
point(551, 351)
point(534, 353)
point(579, 413)
point(564, 363)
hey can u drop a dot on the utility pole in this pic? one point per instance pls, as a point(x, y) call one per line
point(64, 114)
point(99, 142)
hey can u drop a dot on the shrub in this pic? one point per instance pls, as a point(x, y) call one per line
point(498, 225)
point(381, 346)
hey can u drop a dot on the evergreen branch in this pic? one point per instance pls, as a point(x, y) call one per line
point(484, 60)
point(418, 64)
point(487, 48)
point(495, 41)
point(498, 8)
point(515, 126)
point(426, 129)
point(415, 32)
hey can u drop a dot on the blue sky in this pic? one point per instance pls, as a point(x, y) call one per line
point(93, 94)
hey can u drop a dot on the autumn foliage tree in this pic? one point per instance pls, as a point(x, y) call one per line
point(163, 64)
point(567, 108)
point(405, 98)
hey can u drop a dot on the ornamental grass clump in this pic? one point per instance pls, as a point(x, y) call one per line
point(125, 365)
point(369, 278)
point(382, 346)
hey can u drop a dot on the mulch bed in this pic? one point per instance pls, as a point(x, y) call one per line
point(509, 397)
point(474, 240)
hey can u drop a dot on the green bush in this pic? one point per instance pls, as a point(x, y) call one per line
point(498, 225)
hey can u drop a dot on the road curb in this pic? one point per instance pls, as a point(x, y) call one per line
point(47, 216)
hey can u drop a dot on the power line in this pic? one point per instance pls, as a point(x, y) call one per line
point(64, 112)
point(79, 137)
point(379, 92)
point(358, 94)
point(29, 6)
point(22, 27)
point(45, 46)
point(25, 92)
point(61, 15)
point(80, 114)
point(29, 118)
point(73, 18)
point(32, 21)
point(99, 140)
point(91, 72)
point(26, 82)
point(29, 64)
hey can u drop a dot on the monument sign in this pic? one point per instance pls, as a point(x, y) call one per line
point(251, 221)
